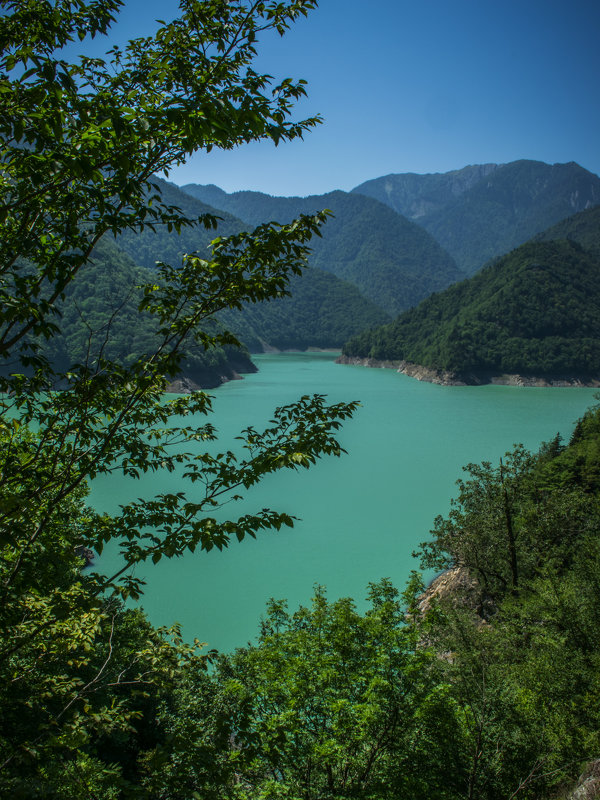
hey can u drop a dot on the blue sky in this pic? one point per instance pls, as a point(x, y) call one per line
point(425, 86)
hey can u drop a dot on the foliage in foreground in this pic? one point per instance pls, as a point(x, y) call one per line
point(489, 691)
point(80, 141)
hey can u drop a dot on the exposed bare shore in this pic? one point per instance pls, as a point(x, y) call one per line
point(186, 385)
point(446, 378)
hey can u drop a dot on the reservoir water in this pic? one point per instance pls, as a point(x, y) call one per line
point(362, 515)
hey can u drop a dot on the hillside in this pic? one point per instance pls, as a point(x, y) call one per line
point(535, 312)
point(481, 212)
point(391, 260)
point(583, 228)
point(323, 311)
point(100, 314)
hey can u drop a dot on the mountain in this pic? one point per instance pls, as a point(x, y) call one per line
point(100, 313)
point(391, 260)
point(480, 212)
point(583, 228)
point(149, 246)
point(323, 311)
point(419, 196)
point(535, 312)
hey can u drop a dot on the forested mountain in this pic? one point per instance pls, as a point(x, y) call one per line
point(481, 212)
point(323, 311)
point(391, 260)
point(535, 312)
point(100, 315)
point(168, 245)
point(583, 228)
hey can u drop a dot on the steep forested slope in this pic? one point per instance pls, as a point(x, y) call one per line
point(534, 312)
point(391, 260)
point(323, 310)
point(481, 212)
point(583, 228)
point(100, 315)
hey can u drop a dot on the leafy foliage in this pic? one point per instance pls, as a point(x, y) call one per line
point(80, 144)
point(394, 702)
point(328, 703)
point(528, 678)
point(100, 317)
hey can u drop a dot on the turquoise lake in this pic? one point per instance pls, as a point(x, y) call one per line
point(362, 515)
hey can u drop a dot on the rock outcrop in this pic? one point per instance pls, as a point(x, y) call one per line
point(588, 785)
point(447, 378)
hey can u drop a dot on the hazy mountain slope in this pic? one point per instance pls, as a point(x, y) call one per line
point(416, 196)
point(477, 220)
point(324, 311)
point(390, 259)
point(536, 311)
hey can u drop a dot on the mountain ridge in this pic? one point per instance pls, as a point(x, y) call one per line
point(324, 310)
point(392, 261)
point(497, 208)
point(534, 313)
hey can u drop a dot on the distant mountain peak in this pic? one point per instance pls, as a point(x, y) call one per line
point(484, 210)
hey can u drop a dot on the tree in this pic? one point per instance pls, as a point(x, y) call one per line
point(482, 530)
point(330, 703)
point(520, 641)
point(80, 143)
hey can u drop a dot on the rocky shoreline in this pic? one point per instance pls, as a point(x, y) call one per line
point(447, 378)
point(185, 385)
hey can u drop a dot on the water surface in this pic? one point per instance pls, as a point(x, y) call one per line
point(361, 515)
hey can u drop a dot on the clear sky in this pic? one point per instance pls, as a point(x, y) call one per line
point(421, 86)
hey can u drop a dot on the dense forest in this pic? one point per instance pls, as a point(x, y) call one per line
point(480, 212)
point(321, 310)
point(534, 312)
point(392, 261)
point(100, 317)
point(100, 314)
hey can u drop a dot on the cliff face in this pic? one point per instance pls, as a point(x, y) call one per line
point(588, 786)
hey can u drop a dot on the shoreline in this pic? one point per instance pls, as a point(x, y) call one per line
point(448, 378)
